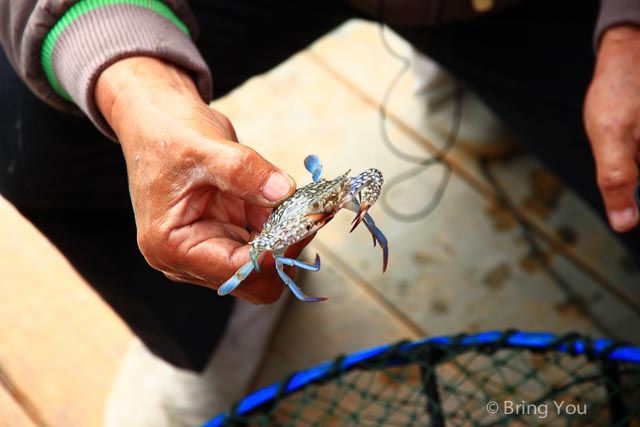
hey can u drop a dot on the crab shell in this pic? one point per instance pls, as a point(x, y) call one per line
point(309, 209)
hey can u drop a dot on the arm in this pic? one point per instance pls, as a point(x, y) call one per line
point(133, 69)
point(59, 48)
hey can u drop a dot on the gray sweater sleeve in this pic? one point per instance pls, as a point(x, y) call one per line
point(60, 47)
point(615, 12)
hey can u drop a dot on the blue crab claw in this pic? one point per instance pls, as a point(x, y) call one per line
point(313, 165)
point(235, 280)
point(295, 289)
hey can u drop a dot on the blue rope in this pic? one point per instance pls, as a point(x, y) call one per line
point(575, 345)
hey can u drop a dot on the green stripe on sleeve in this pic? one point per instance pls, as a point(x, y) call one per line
point(85, 6)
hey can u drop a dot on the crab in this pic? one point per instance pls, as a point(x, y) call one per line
point(309, 209)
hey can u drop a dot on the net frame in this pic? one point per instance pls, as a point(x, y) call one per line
point(434, 351)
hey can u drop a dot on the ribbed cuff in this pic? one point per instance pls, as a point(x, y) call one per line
point(94, 34)
point(613, 13)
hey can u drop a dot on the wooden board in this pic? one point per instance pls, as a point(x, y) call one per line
point(60, 344)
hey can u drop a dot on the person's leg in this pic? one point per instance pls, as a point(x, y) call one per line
point(532, 65)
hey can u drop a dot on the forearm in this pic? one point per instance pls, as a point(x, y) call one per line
point(60, 48)
point(130, 85)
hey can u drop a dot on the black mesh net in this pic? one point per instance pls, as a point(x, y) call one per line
point(471, 385)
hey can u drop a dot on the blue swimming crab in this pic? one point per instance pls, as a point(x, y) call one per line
point(309, 209)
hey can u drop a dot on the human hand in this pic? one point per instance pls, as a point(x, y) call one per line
point(195, 190)
point(612, 121)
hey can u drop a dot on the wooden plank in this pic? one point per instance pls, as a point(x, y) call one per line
point(60, 344)
point(535, 190)
point(355, 55)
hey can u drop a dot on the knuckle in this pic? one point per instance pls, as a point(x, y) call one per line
point(614, 180)
point(608, 125)
point(154, 252)
point(248, 170)
point(602, 121)
point(244, 158)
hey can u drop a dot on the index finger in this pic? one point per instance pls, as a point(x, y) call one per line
point(617, 174)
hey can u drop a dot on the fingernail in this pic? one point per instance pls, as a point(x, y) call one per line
point(278, 185)
point(623, 218)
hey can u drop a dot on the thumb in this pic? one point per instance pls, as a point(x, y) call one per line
point(242, 172)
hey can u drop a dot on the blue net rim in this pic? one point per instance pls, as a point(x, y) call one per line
point(577, 345)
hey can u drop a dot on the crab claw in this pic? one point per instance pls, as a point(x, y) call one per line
point(235, 280)
point(362, 211)
point(313, 165)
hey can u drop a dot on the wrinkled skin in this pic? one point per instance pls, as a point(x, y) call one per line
point(612, 121)
point(194, 189)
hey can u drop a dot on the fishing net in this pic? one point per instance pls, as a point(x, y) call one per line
point(489, 379)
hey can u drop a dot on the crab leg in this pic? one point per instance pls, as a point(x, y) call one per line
point(313, 165)
point(255, 260)
point(235, 280)
point(281, 261)
point(294, 262)
point(376, 233)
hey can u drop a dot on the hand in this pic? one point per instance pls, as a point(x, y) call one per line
point(195, 191)
point(612, 121)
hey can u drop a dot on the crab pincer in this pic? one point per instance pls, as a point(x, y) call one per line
point(362, 211)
